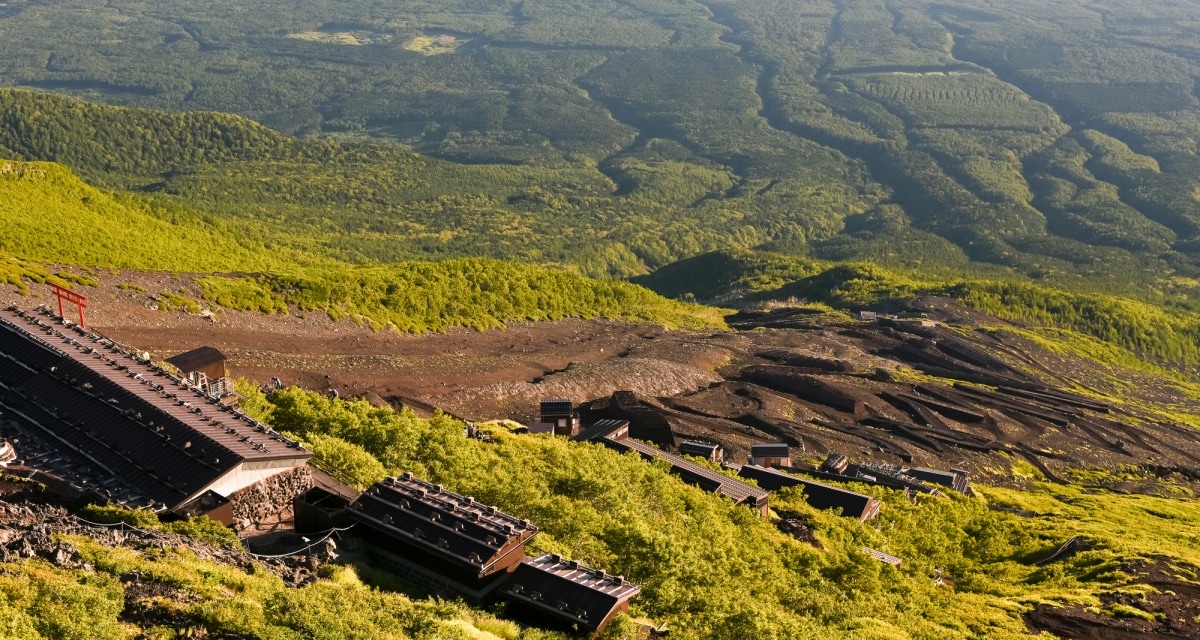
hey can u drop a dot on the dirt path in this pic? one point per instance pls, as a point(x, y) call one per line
point(311, 351)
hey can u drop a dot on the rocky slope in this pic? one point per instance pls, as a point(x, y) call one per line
point(942, 386)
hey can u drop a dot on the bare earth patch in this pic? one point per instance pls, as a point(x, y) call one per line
point(947, 395)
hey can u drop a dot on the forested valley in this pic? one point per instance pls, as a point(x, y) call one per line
point(1054, 143)
point(464, 166)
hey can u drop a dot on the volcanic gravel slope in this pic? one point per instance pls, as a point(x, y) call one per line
point(966, 392)
point(1174, 604)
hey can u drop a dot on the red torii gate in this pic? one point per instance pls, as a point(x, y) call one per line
point(72, 298)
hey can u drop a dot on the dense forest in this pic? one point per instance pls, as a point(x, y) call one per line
point(1057, 143)
point(616, 140)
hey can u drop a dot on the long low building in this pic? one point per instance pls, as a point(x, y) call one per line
point(692, 473)
point(448, 543)
point(550, 587)
point(820, 496)
point(123, 429)
point(455, 546)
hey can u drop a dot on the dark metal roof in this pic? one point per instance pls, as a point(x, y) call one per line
point(557, 407)
point(568, 590)
point(445, 524)
point(876, 474)
point(646, 421)
point(770, 450)
point(122, 417)
point(693, 473)
point(955, 478)
point(818, 495)
point(197, 359)
point(602, 429)
point(701, 449)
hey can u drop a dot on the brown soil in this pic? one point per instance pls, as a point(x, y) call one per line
point(886, 390)
point(1176, 609)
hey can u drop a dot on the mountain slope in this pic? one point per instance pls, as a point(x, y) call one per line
point(908, 132)
point(50, 216)
point(1164, 330)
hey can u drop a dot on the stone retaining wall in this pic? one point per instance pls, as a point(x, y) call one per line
point(269, 497)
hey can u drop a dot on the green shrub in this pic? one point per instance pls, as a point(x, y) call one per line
point(243, 294)
point(47, 602)
point(347, 462)
point(201, 528)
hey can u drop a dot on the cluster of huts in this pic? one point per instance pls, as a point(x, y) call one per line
point(104, 421)
point(101, 420)
point(456, 546)
point(769, 464)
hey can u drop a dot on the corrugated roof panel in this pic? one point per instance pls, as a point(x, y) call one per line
point(883, 557)
point(441, 522)
point(569, 590)
point(557, 407)
point(706, 478)
point(600, 429)
point(123, 415)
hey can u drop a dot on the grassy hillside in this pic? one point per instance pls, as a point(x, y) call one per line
point(1166, 329)
point(364, 203)
point(424, 164)
point(474, 292)
point(50, 216)
point(710, 569)
point(197, 597)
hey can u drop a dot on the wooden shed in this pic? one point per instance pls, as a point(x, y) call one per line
point(773, 454)
point(707, 450)
point(205, 369)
